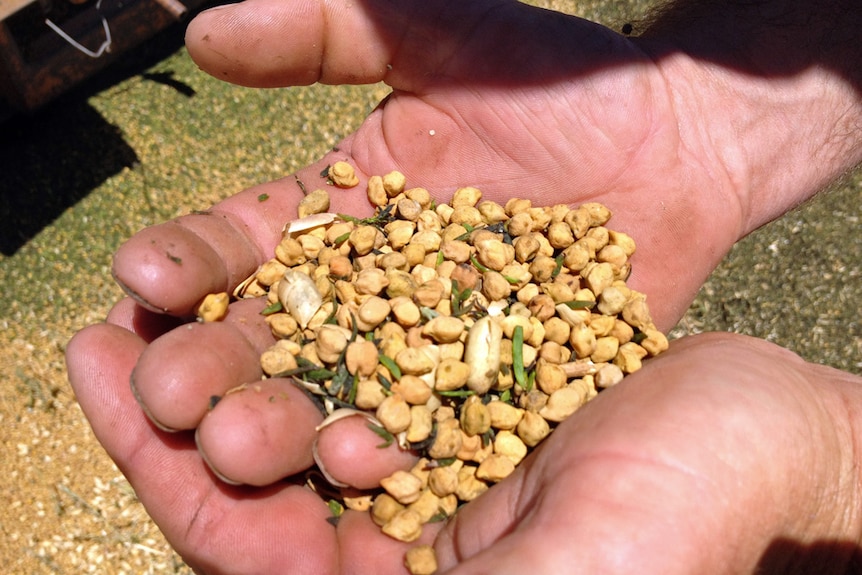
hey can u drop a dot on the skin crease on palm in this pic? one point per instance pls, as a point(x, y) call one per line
point(528, 103)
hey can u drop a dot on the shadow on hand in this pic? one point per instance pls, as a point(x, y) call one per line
point(788, 557)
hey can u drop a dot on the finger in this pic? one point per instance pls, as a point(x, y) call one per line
point(268, 43)
point(148, 325)
point(169, 268)
point(291, 37)
point(353, 455)
point(217, 529)
point(175, 254)
point(180, 373)
point(259, 433)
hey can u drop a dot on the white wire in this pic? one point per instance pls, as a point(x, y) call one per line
point(106, 45)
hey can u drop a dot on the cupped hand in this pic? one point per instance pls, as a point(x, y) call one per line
point(723, 455)
point(726, 455)
point(517, 101)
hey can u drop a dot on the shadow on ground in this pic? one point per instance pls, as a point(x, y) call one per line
point(53, 157)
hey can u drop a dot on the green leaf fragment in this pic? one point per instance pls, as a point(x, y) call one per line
point(311, 371)
point(559, 267)
point(387, 437)
point(390, 364)
point(458, 298)
point(478, 265)
point(272, 308)
point(579, 304)
point(441, 515)
point(351, 394)
point(518, 356)
point(457, 393)
point(428, 313)
point(385, 383)
point(335, 507)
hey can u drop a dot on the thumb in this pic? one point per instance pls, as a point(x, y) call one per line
point(269, 43)
point(408, 44)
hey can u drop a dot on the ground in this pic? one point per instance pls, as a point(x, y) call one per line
point(156, 138)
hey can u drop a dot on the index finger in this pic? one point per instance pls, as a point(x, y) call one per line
point(170, 267)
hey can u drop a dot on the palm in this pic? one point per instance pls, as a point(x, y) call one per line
point(520, 101)
point(559, 110)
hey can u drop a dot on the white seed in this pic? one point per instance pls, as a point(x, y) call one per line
point(277, 359)
point(469, 487)
point(421, 423)
point(361, 357)
point(394, 183)
point(562, 403)
point(359, 503)
point(330, 342)
point(533, 428)
point(384, 509)
point(608, 376)
point(448, 441)
point(417, 360)
point(475, 419)
point(443, 480)
point(482, 354)
point(451, 374)
point(299, 295)
point(504, 416)
point(369, 394)
point(413, 389)
point(444, 329)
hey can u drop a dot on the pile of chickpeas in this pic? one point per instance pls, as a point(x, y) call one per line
point(463, 331)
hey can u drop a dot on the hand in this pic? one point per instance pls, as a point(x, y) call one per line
point(587, 117)
point(723, 454)
point(521, 102)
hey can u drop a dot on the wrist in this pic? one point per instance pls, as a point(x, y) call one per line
point(769, 97)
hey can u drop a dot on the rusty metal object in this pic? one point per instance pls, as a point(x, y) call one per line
point(38, 63)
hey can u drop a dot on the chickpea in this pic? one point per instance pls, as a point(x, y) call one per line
point(316, 202)
point(342, 175)
point(466, 196)
point(420, 305)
